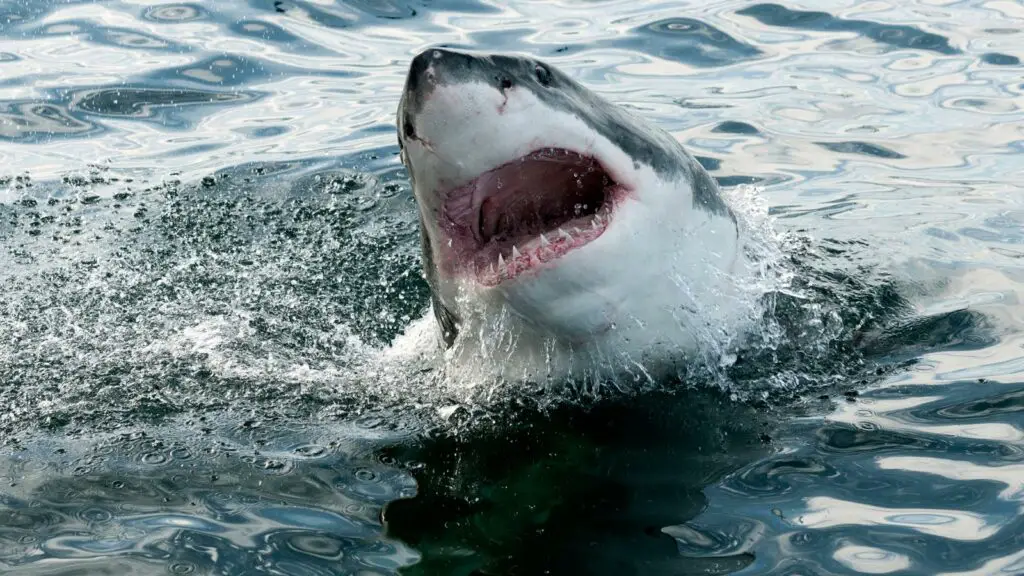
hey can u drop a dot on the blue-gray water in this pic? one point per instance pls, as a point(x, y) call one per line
point(206, 233)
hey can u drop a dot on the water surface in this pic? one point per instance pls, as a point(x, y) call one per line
point(206, 236)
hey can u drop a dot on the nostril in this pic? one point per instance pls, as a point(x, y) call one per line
point(408, 130)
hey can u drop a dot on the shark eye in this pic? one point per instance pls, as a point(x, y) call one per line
point(543, 74)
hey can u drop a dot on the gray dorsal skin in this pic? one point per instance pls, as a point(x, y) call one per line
point(654, 148)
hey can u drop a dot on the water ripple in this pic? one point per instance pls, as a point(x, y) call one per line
point(174, 13)
point(205, 231)
point(895, 36)
point(689, 41)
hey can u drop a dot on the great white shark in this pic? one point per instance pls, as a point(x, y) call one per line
point(562, 235)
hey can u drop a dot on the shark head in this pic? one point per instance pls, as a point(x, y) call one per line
point(546, 206)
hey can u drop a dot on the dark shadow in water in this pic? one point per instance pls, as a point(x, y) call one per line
point(997, 59)
point(889, 34)
point(958, 330)
point(710, 164)
point(688, 41)
point(574, 491)
point(865, 148)
point(734, 127)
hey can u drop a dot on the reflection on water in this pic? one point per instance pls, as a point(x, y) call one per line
point(205, 235)
point(157, 501)
point(895, 36)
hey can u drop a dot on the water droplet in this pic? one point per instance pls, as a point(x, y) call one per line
point(310, 451)
point(366, 475)
point(95, 515)
point(154, 458)
point(182, 568)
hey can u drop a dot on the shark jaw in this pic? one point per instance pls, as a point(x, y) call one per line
point(508, 185)
point(515, 219)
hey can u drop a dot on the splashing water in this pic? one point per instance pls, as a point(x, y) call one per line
point(237, 293)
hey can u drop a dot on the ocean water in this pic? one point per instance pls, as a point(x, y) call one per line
point(206, 238)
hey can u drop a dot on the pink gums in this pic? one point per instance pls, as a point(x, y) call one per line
point(533, 255)
point(469, 246)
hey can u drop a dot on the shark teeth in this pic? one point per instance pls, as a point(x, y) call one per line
point(543, 248)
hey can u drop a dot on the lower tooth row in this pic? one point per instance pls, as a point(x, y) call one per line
point(501, 260)
point(544, 242)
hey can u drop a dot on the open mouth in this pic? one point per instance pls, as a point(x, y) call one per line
point(528, 212)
